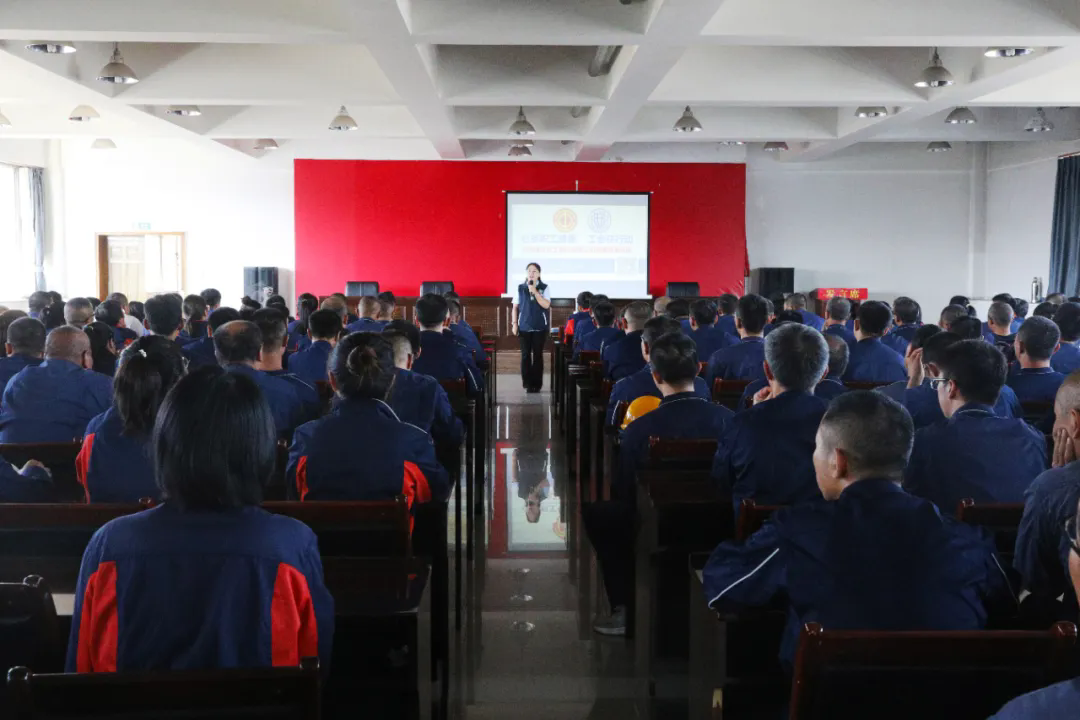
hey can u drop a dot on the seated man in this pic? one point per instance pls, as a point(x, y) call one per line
point(974, 454)
point(838, 312)
point(830, 386)
point(441, 355)
point(369, 321)
point(131, 322)
point(31, 483)
point(913, 365)
point(951, 314)
point(997, 330)
point(584, 303)
point(1067, 358)
point(766, 451)
point(1021, 308)
point(622, 358)
point(605, 333)
point(679, 309)
point(583, 327)
point(238, 345)
point(200, 353)
point(195, 314)
point(54, 401)
point(78, 312)
point(165, 317)
point(870, 360)
point(337, 305)
point(868, 556)
point(112, 314)
point(659, 305)
point(743, 361)
point(1035, 344)
point(309, 364)
point(465, 335)
point(641, 383)
point(727, 304)
point(707, 336)
point(25, 347)
point(797, 302)
point(272, 324)
point(212, 298)
point(907, 318)
point(682, 414)
point(418, 399)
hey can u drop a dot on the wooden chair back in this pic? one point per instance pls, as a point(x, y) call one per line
point(478, 330)
point(752, 517)
point(377, 528)
point(680, 454)
point(58, 457)
point(29, 630)
point(729, 392)
point(606, 386)
point(454, 388)
point(275, 487)
point(620, 413)
point(586, 358)
point(893, 675)
point(279, 693)
point(1038, 412)
point(1002, 519)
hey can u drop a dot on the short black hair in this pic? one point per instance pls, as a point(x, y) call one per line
point(907, 310)
point(362, 365)
point(874, 317)
point(1021, 307)
point(7, 317)
point(1000, 313)
point(703, 312)
point(788, 316)
point(796, 300)
point(39, 300)
point(137, 310)
point(453, 307)
point(237, 342)
point(195, 308)
point(727, 304)
point(211, 297)
point(1006, 298)
point(674, 358)
point(753, 313)
point(961, 300)
point(934, 346)
point(26, 336)
point(431, 310)
point(1040, 337)
point(1046, 310)
point(584, 300)
point(677, 308)
point(797, 356)
point(273, 324)
point(658, 326)
point(599, 297)
point(164, 314)
point(324, 325)
point(968, 328)
point(1067, 317)
point(951, 313)
point(214, 442)
point(604, 314)
point(93, 300)
point(922, 335)
point(874, 431)
point(407, 329)
point(249, 302)
point(451, 295)
point(147, 370)
point(838, 309)
point(118, 297)
point(221, 316)
point(839, 354)
point(109, 312)
point(387, 296)
point(977, 368)
point(305, 305)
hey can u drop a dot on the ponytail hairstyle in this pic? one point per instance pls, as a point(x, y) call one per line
point(148, 369)
point(305, 305)
point(362, 364)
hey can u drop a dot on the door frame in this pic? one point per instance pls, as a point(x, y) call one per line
point(102, 241)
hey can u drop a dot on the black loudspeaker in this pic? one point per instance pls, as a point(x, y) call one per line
point(439, 288)
point(683, 289)
point(356, 288)
point(771, 281)
point(260, 283)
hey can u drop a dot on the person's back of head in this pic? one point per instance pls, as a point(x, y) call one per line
point(164, 314)
point(950, 314)
point(221, 316)
point(410, 331)
point(922, 335)
point(214, 442)
point(1037, 339)
point(795, 301)
point(604, 314)
point(678, 308)
point(109, 312)
point(839, 353)
point(797, 356)
point(119, 297)
point(584, 300)
point(432, 311)
point(727, 303)
point(324, 325)
point(1045, 309)
point(657, 326)
point(1021, 307)
point(78, 311)
point(195, 308)
point(976, 371)
point(674, 360)
point(212, 298)
point(704, 312)
point(961, 300)
point(250, 304)
point(272, 324)
point(137, 310)
point(875, 317)
point(238, 343)
point(1067, 318)
point(637, 314)
point(752, 313)
point(7, 317)
point(453, 310)
point(451, 295)
point(863, 435)
point(1000, 316)
point(788, 316)
point(336, 305)
point(1056, 298)
point(907, 311)
point(25, 335)
point(102, 347)
point(147, 370)
point(838, 309)
point(386, 310)
point(599, 298)
point(387, 298)
point(38, 302)
point(362, 366)
point(934, 348)
point(968, 328)
point(1006, 298)
point(401, 347)
point(659, 304)
point(368, 307)
point(69, 343)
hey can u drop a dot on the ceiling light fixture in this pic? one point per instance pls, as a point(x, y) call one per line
point(343, 121)
point(4, 122)
point(935, 75)
point(1039, 122)
point(183, 110)
point(51, 47)
point(775, 147)
point(687, 123)
point(939, 146)
point(103, 144)
point(519, 151)
point(83, 113)
point(871, 111)
point(732, 142)
point(603, 60)
point(116, 72)
point(1008, 52)
point(961, 116)
point(522, 126)
point(266, 144)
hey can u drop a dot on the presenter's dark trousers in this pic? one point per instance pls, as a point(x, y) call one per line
point(532, 358)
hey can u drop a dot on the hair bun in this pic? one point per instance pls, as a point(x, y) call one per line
point(362, 360)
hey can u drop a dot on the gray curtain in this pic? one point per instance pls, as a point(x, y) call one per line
point(1065, 244)
point(37, 199)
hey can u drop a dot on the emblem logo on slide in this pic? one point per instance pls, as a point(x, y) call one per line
point(565, 220)
point(599, 220)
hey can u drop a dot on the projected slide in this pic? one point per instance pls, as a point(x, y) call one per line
point(598, 243)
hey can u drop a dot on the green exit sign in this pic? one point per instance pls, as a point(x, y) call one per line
point(142, 226)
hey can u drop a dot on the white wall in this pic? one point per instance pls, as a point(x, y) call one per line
point(23, 152)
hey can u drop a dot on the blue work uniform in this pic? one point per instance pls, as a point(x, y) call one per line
point(1066, 360)
point(52, 402)
point(443, 358)
point(923, 406)
point(641, 384)
point(726, 324)
point(1036, 384)
point(365, 324)
point(421, 401)
point(900, 337)
point(297, 338)
point(871, 361)
point(310, 364)
point(200, 353)
point(841, 332)
point(975, 454)
point(827, 389)
point(309, 396)
point(122, 337)
point(684, 323)
point(113, 467)
point(876, 558)
point(1042, 550)
point(468, 339)
point(745, 361)
point(574, 319)
point(33, 487)
point(1056, 701)
point(812, 319)
point(285, 404)
point(622, 358)
point(12, 364)
point(581, 331)
point(600, 338)
point(767, 451)
point(709, 339)
point(1004, 343)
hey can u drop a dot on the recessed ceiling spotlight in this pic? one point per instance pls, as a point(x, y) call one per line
point(1039, 122)
point(521, 126)
point(343, 121)
point(775, 147)
point(183, 110)
point(961, 116)
point(732, 142)
point(51, 47)
point(871, 111)
point(935, 75)
point(938, 146)
point(116, 72)
point(519, 151)
point(83, 113)
point(103, 144)
point(687, 123)
point(1008, 52)
point(266, 144)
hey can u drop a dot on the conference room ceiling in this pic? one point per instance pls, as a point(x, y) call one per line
point(429, 79)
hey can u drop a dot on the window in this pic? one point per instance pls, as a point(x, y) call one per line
point(17, 237)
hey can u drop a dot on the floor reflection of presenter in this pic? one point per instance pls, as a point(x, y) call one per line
point(531, 468)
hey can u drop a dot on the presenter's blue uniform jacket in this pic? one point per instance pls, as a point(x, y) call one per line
point(33, 487)
point(386, 457)
point(876, 558)
point(467, 338)
point(767, 451)
point(600, 338)
point(923, 406)
point(709, 339)
point(975, 454)
point(812, 319)
point(285, 405)
point(623, 357)
point(727, 324)
point(200, 353)
point(900, 337)
point(421, 401)
point(443, 358)
point(310, 364)
point(1066, 360)
point(872, 361)
point(52, 402)
point(366, 325)
point(1036, 384)
point(842, 332)
point(113, 467)
point(168, 590)
point(641, 384)
point(1042, 550)
point(12, 364)
point(745, 361)
point(1056, 701)
point(683, 416)
point(827, 389)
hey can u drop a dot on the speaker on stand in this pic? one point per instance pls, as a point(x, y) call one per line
point(261, 282)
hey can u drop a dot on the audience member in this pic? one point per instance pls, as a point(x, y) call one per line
point(964, 302)
point(907, 318)
point(324, 327)
point(138, 311)
point(727, 304)
point(131, 322)
point(830, 386)
point(441, 356)
point(951, 314)
point(212, 298)
point(582, 307)
point(913, 366)
point(111, 313)
point(679, 309)
point(659, 305)
point(997, 330)
point(337, 305)
point(465, 335)
point(1056, 298)
point(24, 346)
point(797, 302)
point(7, 317)
point(195, 313)
point(623, 357)
point(102, 347)
point(1067, 358)
point(55, 312)
point(870, 360)
point(387, 306)
point(78, 312)
point(418, 399)
point(298, 337)
point(165, 317)
point(742, 361)
point(1021, 308)
point(200, 353)
point(369, 310)
point(605, 333)
point(272, 322)
point(707, 336)
point(38, 304)
point(969, 328)
point(1035, 344)
point(587, 325)
point(838, 313)
point(1046, 310)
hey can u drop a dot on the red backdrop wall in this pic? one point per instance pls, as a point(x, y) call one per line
point(402, 223)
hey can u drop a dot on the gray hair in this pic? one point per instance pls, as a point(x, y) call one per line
point(838, 309)
point(797, 355)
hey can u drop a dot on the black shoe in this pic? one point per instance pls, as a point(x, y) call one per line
point(532, 390)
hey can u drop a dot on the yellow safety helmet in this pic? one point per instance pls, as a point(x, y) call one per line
point(642, 406)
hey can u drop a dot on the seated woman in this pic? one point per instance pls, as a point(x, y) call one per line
point(111, 313)
point(362, 450)
point(102, 347)
point(114, 464)
point(207, 579)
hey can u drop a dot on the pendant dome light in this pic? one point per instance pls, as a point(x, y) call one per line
point(687, 123)
point(116, 72)
point(935, 75)
point(520, 151)
point(521, 126)
point(343, 121)
point(266, 144)
point(51, 47)
point(183, 110)
point(871, 111)
point(775, 147)
point(939, 146)
point(961, 116)
point(83, 113)
point(1039, 122)
point(103, 144)
point(1008, 52)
